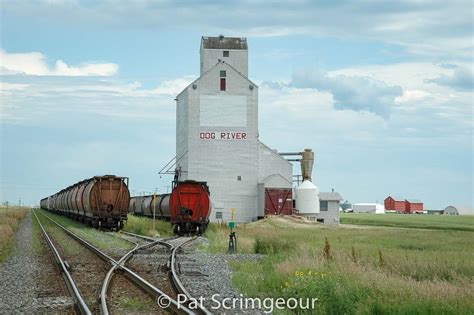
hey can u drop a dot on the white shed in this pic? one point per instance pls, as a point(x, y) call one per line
point(368, 208)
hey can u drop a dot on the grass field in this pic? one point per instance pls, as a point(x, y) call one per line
point(438, 222)
point(359, 269)
point(9, 221)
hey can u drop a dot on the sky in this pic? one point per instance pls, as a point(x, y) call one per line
point(381, 91)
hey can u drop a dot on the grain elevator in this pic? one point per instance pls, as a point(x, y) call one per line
point(217, 137)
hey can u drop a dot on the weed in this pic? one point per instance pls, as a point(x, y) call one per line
point(326, 249)
point(381, 260)
point(354, 254)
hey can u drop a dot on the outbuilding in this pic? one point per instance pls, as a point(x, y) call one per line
point(368, 208)
point(457, 210)
point(394, 203)
point(413, 206)
point(329, 204)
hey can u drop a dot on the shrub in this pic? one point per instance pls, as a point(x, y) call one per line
point(273, 246)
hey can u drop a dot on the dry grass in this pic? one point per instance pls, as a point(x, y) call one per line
point(8, 226)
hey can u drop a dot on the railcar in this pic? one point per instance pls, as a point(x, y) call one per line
point(100, 201)
point(187, 207)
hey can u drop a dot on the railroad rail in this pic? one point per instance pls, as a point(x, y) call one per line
point(143, 284)
point(79, 302)
point(177, 282)
point(178, 285)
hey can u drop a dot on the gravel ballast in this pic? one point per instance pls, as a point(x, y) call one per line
point(29, 281)
point(208, 274)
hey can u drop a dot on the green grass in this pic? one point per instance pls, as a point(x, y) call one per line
point(436, 222)
point(144, 226)
point(37, 236)
point(98, 238)
point(129, 303)
point(368, 270)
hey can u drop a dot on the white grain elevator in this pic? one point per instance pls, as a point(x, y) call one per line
point(217, 133)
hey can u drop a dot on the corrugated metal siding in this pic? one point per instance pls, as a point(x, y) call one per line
point(237, 58)
point(273, 169)
point(220, 162)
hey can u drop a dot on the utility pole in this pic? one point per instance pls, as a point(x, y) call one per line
point(154, 211)
point(19, 203)
point(7, 207)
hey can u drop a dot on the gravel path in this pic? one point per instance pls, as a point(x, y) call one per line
point(205, 274)
point(29, 280)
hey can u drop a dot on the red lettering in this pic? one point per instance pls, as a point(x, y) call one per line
point(223, 136)
point(207, 135)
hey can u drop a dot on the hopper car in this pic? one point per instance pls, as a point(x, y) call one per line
point(100, 201)
point(187, 207)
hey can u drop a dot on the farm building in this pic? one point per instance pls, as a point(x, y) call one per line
point(329, 204)
point(368, 208)
point(217, 139)
point(456, 210)
point(403, 205)
point(394, 203)
point(433, 211)
point(413, 206)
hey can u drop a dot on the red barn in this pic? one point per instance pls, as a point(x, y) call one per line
point(392, 203)
point(413, 205)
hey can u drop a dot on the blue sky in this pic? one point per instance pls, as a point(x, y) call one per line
point(383, 92)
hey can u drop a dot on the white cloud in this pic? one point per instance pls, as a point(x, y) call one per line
point(34, 63)
point(40, 99)
point(411, 95)
point(435, 28)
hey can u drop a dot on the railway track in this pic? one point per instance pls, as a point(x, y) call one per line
point(101, 303)
point(174, 246)
point(79, 302)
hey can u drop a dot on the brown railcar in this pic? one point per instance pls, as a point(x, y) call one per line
point(101, 201)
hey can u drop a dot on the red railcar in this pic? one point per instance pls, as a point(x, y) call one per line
point(187, 207)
